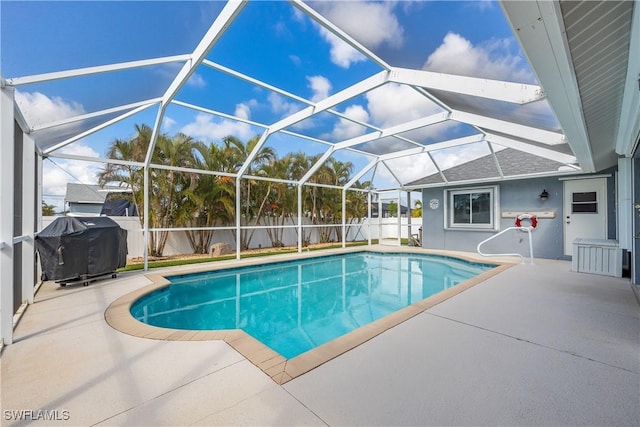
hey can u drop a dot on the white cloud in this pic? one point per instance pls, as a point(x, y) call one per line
point(346, 129)
point(370, 23)
point(204, 127)
point(492, 60)
point(456, 156)
point(342, 54)
point(38, 108)
point(393, 104)
point(167, 124)
point(243, 111)
point(409, 168)
point(321, 87)
point(295, 59)
point(196, 80)
point(279, 105)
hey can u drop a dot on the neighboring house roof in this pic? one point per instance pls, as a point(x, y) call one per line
point(83, 193)
point(512, 163)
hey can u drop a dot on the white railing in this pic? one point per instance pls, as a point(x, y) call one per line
point(527, 229)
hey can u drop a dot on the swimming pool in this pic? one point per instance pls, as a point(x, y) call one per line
point(295, 306)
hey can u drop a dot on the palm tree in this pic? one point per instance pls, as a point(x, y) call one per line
point(238, 153)
point(166, 188)
point(357, 204)
point(47, 209)
point(327, 202)
point(132, 177)
point(209, 199)
point(278, 199)
point(417, 209)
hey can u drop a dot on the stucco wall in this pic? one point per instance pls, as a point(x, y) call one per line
point(520, 195)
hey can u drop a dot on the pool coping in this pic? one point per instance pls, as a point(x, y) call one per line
point(277, 367)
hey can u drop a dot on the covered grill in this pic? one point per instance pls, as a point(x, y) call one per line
point(80, 248)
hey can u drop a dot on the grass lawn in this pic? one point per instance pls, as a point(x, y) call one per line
point(138, 264)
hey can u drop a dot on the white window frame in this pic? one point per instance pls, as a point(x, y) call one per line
point(494, 194)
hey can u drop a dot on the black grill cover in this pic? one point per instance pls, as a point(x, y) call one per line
point(79, 247)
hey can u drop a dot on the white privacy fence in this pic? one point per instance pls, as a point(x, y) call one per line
point(387, 230)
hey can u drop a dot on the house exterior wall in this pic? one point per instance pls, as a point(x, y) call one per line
point(517, 195)
point(85, 208)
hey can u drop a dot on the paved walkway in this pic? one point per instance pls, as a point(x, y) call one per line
point(534, 345)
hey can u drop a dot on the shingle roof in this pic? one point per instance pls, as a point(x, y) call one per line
point(512, 162)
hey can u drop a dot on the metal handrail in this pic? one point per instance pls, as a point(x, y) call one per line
point(527, 229)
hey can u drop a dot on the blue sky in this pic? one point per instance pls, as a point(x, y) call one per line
point(269, 41)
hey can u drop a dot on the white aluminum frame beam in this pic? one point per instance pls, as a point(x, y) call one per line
point(317, 165)
point(29, 193)
point(222, 22)
point(394, 130)
point(332, 28)
point(73, 119)
point(531, 149)
point(78, 72)
point(96, 129)
point(361, 173)
point(352, 91)
point(218, 114)
point(517, 93)
point(95, 159)
point(521, 131)
point(7, 147)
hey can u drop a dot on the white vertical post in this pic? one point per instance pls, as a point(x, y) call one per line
point(625, 205)
point(369, 216)
point(300, 229)
point(239, 217)
point(344, 217)
point(145, 230)
point(7, 145)
point(399, 219)
point(409, 216)
point(38, 196)
point(28, 217)
point(379, 219)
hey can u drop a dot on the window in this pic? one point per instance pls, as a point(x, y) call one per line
point(471, 208)
point(584, 202)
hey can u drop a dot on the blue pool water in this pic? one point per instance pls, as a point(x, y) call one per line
point(295, 306)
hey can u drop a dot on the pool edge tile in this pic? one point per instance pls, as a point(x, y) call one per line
point(277, 367)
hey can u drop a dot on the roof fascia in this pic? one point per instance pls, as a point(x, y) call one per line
point(539, 28)
point(494, 180)
point(629, 126)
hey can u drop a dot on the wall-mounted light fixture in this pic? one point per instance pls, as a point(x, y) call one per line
point(544, 195)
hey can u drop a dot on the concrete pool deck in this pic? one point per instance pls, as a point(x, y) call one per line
point(533, 345)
